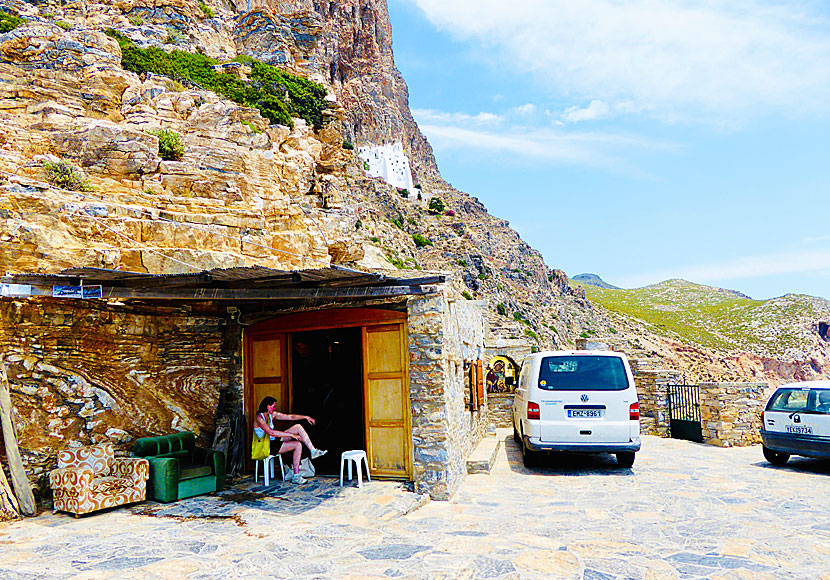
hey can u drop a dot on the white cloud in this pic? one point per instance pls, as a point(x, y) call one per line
point(720, 60)
point(739, 269)
point(523, 143)
point(524, 110)
point(433, 116)
point(596, 110)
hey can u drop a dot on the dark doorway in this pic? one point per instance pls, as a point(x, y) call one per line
point(327, 384)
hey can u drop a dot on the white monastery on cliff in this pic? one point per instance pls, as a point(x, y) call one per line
point(388, 162)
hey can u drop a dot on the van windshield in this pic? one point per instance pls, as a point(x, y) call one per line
point(801, 401)
point(582, 373)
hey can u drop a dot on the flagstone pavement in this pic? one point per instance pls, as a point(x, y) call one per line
point(684, 511)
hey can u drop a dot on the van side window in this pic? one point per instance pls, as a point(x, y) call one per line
point(523, 375)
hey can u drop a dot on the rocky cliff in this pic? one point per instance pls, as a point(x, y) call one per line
point(244, 191)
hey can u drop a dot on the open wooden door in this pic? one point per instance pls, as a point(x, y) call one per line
point(388, 429)
point(266, 373)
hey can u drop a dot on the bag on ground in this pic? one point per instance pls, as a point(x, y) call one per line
point(306, 469)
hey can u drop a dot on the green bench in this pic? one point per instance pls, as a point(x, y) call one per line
point(179, 469)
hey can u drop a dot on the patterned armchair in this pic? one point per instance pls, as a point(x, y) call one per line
point(91, 478)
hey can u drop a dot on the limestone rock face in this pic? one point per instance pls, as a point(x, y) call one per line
point(349, 45)
point(88, 374)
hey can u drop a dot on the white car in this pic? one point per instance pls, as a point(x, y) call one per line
point(796, 421)
point(580, 401)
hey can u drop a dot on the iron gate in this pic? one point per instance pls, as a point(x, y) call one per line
point(684, 412)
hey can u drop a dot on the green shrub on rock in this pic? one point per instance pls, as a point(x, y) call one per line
point(170, 144)
point(66, 176)
point(8, 22)
point(436, 205)
point(421, 241)
point(206, 10)
point(278, 95)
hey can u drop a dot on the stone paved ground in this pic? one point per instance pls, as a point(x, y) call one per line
point(684, 511)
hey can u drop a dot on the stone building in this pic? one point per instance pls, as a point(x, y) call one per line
point(100, 355)
point(390, 163)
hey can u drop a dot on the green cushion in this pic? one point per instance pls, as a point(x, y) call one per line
point(197, 486)
point(191, 471)
point(166, 444)
point(183, 456)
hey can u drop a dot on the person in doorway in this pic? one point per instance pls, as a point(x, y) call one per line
point(291, 440)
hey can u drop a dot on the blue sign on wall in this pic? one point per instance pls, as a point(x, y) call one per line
point(76, 291)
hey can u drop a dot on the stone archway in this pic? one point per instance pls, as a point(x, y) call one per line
point(500, 388)
point(501, 374)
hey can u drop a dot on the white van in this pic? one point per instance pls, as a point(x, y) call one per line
point(581, 401)
point(796, 421)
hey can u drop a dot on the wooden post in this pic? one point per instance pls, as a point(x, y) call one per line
point(22, 488)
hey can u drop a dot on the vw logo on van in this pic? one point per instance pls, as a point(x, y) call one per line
point(584, 398)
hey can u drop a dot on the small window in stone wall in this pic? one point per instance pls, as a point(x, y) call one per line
point(474, 371)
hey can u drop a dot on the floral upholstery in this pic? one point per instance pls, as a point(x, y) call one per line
point(91, 478)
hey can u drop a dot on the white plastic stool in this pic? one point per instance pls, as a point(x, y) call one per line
point(268, 468)
point(355, 456)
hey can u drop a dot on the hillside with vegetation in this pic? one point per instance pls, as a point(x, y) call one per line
point(727, 325)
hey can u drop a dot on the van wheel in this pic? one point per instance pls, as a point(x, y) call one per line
point(516, 437)
point(775, 457)
point(529, 458)
point(625, 458)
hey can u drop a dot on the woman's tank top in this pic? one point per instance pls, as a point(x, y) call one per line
point(261, 432)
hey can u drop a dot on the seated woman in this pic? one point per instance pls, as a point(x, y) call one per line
point(292, 439)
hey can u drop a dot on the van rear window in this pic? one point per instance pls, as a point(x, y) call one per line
point(582, 373)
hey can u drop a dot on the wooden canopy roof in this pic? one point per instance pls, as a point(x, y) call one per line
point(234, 284)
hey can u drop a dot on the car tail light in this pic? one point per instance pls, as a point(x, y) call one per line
point(634, 412)
point(533, 411)
point(762, 418)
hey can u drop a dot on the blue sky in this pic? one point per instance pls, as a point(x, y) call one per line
point(639, 140)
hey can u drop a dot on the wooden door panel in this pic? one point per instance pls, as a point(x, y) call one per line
point(388, 451)
point(383, 349)
point(388, 430)
point(267, 358)
point(266, 374)
point(262, 390)
point(385, 400)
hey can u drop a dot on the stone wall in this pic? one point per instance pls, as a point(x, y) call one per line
point(500, 409)
point(83, 372)
point(653, 392)
point(731, 413)
point(443, 334)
